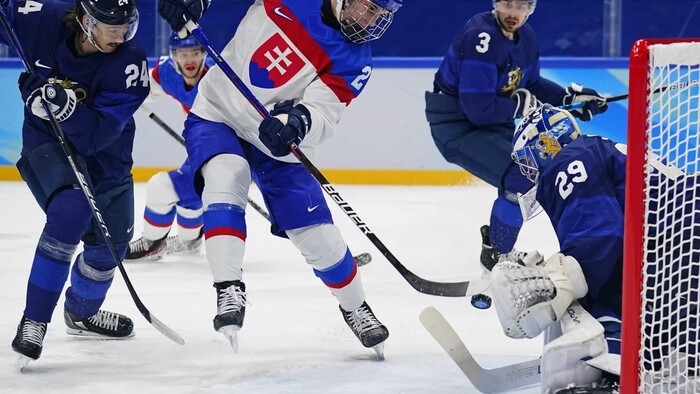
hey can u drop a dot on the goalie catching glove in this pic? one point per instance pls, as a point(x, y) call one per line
point(593, 102)
point(34, 89)
point(287, 125)
point(529, 298)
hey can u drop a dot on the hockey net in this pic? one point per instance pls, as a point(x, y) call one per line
point(661, 305)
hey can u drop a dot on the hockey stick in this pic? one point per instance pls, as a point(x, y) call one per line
point(454, 289)
point(625, 96)
point(495, 380)
point(361, 259)
point(89, 195)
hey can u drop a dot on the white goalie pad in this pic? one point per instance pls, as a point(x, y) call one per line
point(530, 298)
point(562, 362)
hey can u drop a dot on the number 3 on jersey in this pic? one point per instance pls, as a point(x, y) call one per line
point(134, 74)
point(575, 173)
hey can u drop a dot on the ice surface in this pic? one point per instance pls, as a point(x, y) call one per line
point(294, 339)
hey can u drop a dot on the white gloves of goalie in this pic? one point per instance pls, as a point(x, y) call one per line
point(530, 297)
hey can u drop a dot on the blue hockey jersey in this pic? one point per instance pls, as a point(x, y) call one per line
point(483, 67)
point(109, 88)
point(166, 75)
point(583, 192)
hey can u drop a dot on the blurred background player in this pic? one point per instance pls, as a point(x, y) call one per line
point(93, 79)
point(580, 184)
point(307, 86)
point(489, 77)
point(171, 194)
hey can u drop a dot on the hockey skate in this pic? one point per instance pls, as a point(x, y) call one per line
point(363, 259)
point(143, 249)
point(231, 302)
point(103, 324)
point(175, 245)
point(29, 340)
point(370, 331)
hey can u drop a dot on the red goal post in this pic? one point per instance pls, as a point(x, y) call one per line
point(663, 127)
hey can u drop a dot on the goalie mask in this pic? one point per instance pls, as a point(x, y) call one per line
point(365, 20)
point(540, 135)
point(187, 54)
point(115, 20)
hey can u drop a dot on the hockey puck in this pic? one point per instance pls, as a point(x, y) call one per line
point(481, 301)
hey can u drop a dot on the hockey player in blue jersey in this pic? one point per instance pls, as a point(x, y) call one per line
point(305, 61)
point(93, 79)
point(171, 194)
point(489, 77)
point(579, 182)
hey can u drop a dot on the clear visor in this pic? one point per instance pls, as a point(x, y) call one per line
point(363, 20)
point(112, 33)
point(525, 159)
point(525, 7)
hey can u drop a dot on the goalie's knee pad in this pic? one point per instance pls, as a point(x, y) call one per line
point(226, 180)
point(563, 359)
point(530, 298)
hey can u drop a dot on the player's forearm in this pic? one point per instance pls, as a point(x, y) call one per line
point(486, 109)
point(547, 91)
point(90, 131)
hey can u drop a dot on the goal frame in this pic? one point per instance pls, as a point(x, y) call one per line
point(639, 95)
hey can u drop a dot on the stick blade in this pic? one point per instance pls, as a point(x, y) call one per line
point(485, 380)
point(165, 330)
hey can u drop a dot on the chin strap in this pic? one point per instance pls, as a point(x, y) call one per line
point(89, 36)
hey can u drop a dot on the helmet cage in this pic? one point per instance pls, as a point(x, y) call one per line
point(366, 20)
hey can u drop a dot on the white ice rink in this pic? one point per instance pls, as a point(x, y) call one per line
point(294, 339)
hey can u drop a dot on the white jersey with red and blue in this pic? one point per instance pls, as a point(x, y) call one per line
point(283, 50)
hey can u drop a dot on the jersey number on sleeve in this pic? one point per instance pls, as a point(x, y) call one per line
point(360, 79)
point(575, 173)
point(30, 6)
point(134, 75)
point(484, 43)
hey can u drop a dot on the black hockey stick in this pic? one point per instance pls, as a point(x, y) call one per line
point(361, 259)
point(454, 289)
point(89, 195)
point(506, 378)
point(625, 96)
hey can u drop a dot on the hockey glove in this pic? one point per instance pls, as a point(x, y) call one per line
point(61, 101)
point(178, 12)
point(525, 102)
point(288, 124)
point(490, 256)
point(593, 103)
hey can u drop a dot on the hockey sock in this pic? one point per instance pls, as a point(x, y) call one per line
point(189, 222)
point(91, 277)
point(225, 235)
point(344, 281)
point(67, 218)
point(156, 225)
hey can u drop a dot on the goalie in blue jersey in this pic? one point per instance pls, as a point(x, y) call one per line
point(575, 296)
point(93, 79)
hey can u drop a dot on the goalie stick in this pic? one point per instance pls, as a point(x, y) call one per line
point(450, 289)
point(620, 97)
point(89, 195)
point(495, 380)
point(361, 259)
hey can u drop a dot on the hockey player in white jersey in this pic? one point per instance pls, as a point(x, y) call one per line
point(305, 61)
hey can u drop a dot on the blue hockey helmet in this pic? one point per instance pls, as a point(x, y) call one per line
point(540, 135)
point(188, 42)
point(366, 20)
point(530, 3)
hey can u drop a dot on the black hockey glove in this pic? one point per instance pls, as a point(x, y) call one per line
point(278, 136)
point(178, 12)
point(525, 102)
point(61, 101)
point(593, 103)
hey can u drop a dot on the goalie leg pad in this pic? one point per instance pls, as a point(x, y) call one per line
point(562, 362)
point(529, 299)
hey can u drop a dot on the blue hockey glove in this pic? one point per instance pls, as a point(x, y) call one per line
point(593, 103)
point(61, 101)
point(178, 12)
point(524, 102)
point(277, 134)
